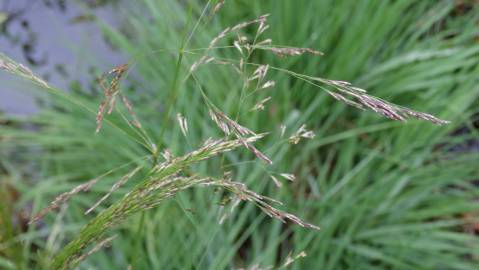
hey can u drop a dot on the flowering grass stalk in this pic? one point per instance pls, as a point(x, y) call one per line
point(164, 180)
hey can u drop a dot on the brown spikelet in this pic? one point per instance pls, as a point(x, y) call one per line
point(132, 113)
point(342, 98)
point(395, 112)
point(110, 93)
point(99, 115)
point(255, 151)
point(360, 99)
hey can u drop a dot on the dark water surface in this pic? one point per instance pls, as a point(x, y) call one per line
point(59, 40)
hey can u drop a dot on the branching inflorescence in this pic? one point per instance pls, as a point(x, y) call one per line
point(165, 179)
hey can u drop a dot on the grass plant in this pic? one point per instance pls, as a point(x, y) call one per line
point(386, 194)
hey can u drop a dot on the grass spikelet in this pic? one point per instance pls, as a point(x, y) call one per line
point(261, 20)
point(102, 244)
point(302, 132)
point(204, 58)
point(167, 155)
point(224, 214)
point(15, 68)
point(292, 51)
point(237, 45)
point(209, 149)
point(218, 6)
point(243, 193)
point(288, 176)
point(276, 181)
point(113, 188)
point(257, 153)
point(290, 259)
point(229, 127)
point(268, 84)
point(259, 73)
point(282, 130)
point(111, 92)
point(260, 105)
point(63, 198)
point(183, 123)
point(267, 41)
point(360, 99)
point(132, 113)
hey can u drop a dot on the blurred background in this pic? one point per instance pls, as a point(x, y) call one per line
point(387, 195)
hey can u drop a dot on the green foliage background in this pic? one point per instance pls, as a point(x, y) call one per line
point(387, 195)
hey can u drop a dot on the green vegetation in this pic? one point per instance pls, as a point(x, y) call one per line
point(386, 194)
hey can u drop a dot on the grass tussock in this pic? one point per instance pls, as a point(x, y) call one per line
point(373, 187)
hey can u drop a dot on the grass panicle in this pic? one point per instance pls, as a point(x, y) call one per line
point(366, 186)
point(164, 180)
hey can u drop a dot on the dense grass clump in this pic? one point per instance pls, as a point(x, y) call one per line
point(386, 194)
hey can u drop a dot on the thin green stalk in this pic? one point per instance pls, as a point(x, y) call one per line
point(174, 84)
point(138, 241)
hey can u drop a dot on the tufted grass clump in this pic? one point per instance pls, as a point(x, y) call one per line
point(163, 147)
